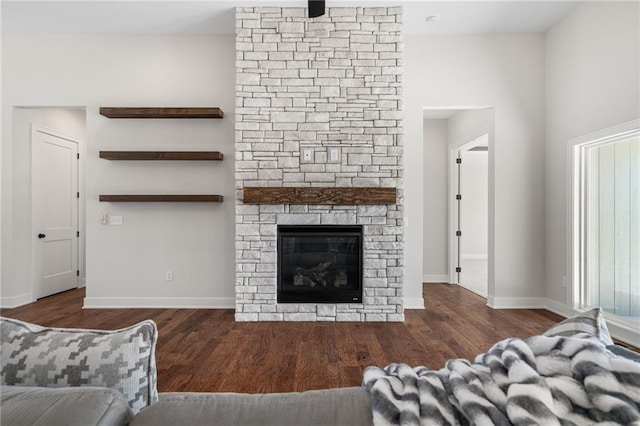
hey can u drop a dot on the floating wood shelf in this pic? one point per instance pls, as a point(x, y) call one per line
point(136, 112)
point(161, 198)
point(319, 195)
point(162, 155)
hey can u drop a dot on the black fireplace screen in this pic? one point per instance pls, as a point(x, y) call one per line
point(318, 263)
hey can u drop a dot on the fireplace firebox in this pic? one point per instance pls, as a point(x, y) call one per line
point(320, 264)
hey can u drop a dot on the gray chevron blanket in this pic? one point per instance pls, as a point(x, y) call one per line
point(538, 381)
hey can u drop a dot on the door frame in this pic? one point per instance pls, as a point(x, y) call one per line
point(466, 143)
point(35, 128)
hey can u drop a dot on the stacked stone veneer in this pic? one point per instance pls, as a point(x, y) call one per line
point(325, 84)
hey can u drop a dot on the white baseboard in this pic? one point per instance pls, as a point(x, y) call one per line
point(624, 332)
point(516, 302)
point(160, 302)
point(435, 278)
point(15, 301)
point(560, 308)
point(618, 330)
point(413, 303)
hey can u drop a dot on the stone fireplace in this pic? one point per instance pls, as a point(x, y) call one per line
point(319, 105)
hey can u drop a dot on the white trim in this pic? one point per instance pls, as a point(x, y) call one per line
point(413, 303)
point(15, 301)
point(159, 302)
point(435, 278)
point(561, 309)
point(610, 133)
point(38, 128)
point(451, 213)
point(575, 148)
point(516, 302)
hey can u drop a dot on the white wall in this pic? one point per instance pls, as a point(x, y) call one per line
point(592, 68)
point(468, 124)
point(481, 71)
point(435, 201)
point(126, 264)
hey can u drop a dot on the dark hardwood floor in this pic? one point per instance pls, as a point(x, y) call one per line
point(206, 350)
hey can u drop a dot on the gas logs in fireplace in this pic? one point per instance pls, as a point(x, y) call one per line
point(319, 264)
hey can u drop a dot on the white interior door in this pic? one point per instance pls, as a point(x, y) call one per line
point(55, 212)
point(472, 215)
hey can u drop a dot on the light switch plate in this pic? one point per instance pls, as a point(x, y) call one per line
point(116, 220)
point(334, 154)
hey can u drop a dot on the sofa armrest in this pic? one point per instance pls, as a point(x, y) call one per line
point(26, 405)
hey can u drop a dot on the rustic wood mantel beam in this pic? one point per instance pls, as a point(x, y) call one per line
point(318, 195)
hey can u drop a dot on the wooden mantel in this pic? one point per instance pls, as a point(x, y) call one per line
point(318, 195)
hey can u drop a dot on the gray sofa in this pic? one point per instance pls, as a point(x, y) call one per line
point(103, 407)
point(56, 376)
point(53, 376)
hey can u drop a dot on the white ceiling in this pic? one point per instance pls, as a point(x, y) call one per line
point(217, 17)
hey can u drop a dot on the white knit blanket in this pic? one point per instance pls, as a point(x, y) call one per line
point(538, 381)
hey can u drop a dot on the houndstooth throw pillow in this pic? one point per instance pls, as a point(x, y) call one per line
point(57, 357)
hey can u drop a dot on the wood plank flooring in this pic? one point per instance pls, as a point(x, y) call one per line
point(202, 350)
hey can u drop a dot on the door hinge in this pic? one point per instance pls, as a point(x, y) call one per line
point(78, 156)
point(77, 195)
point(77, 272)
point(459, 160)
point(458, 269)
point(458, 196)
point(458, 233)
point(77, 233)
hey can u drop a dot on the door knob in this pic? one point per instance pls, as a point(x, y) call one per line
point(41, 236)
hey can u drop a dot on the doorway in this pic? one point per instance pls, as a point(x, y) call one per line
point(69, 123)
point(447, 132)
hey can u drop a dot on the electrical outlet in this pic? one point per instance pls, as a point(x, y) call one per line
point(564, 282)
point(307, 155)
point(168, 276)
point(116, 220)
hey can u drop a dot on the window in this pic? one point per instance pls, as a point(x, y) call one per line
point(606, 221)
